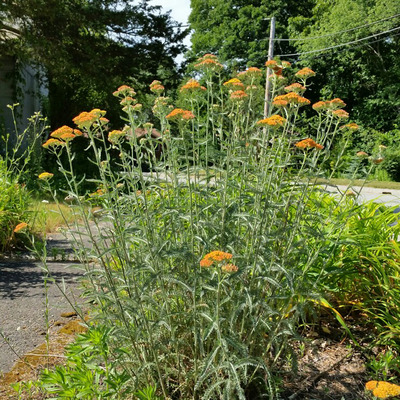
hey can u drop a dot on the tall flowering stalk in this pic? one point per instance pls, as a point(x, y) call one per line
point(203, 263)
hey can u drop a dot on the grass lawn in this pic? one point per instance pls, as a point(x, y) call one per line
point(360, 182)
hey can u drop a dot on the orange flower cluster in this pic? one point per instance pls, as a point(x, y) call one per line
point(361, 154)
point(280, 103)
point(273, 120)
point(66, 133)
point(124, 90)
point(383, 390)
point(87, 119)
point(251, 73)
point(334, 104)
point(180, 115)
point(52, 143)
point(128, 100)
point(305, 73)
point(309, 144)
point(292, 98)
point(209, 62)
point(352, 127)
point(238, 95)
point(20, 227)
point(156, 87)
point(276, 67)
point(218, 257)
point(295, 87)
point(341, 114)
point(234, 84)
point(320, 106)
point(191, 85)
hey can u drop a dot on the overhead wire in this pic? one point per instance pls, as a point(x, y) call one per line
point(351, 48)
point(338, 45)
point(339, 32)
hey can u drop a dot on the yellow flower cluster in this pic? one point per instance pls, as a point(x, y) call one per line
point(115, 136)
point(234, 84)
point(273, 120)
point(383, 390)
point(45, 176)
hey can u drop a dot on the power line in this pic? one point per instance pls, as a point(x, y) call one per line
point(339, 45)
point(340, 32)
point(355, 47)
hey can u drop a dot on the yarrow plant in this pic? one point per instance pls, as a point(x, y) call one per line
point(203, 266)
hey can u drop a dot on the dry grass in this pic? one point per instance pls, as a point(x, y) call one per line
point(48, 217)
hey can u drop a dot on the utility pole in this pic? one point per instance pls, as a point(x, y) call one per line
point(270, 57)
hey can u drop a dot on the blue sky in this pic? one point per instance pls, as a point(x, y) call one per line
point(180, 10)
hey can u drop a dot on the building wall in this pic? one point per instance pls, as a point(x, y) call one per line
point(25, 90)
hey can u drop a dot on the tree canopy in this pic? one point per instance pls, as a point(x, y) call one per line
point(90, 47)
point(238, 30)
point(364, 73)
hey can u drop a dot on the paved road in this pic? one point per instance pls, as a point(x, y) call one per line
point(387, 196)
point(22, 305)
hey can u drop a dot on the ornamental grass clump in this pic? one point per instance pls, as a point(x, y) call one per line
point(203, 266)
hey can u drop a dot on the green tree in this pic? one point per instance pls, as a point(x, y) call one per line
point(90, 47)
point(365, 73)
point(238, 30)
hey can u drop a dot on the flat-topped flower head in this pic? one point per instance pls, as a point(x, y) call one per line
point(250, 73)
point(178, 114)
point(115, 136)
point(209, 63)
point(61, 131)
point(273, 120)
point(44, 176)
point(238, 95)
point(229, 268)
point(124, 90)
point(190, 86)
point(53, 143)
point(280, 103)
point(20, 227)
point(305, 73)
point(362, 154)
point(309, 144)
point(85, 119)
point(335, 104)
point(383, 390)
point(294, 99)
point(156, 87)
point(295, 87)
point(352, 127)
point(234, 83)
point(341, 114)
point(128, 100)
point(320, 106)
